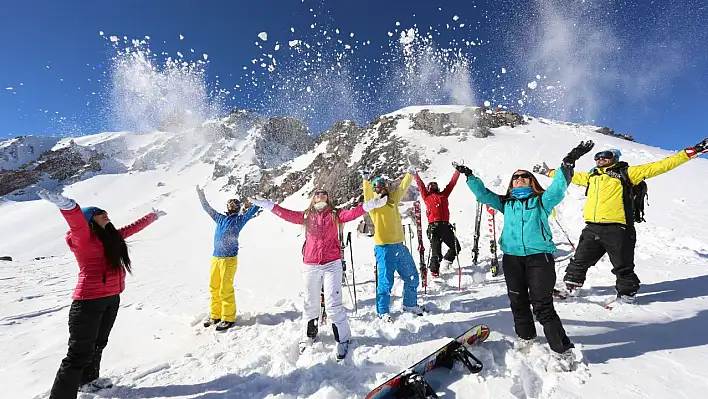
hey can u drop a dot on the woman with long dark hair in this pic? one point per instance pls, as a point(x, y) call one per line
point(527, 244)
point(103, 260)
point(322, 260)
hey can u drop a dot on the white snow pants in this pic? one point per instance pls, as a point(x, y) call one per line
point(331, 274)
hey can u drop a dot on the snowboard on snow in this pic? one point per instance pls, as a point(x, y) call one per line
point(411, 383)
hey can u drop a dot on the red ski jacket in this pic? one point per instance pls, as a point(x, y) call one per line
point(322, 237)
point(96, 277)
point(437, 209)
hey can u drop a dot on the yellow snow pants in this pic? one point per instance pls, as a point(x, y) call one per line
point(221, 287)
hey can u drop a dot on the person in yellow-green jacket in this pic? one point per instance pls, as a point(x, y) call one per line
point(391, 254)
point(609, 216)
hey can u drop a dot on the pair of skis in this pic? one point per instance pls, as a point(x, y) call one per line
point(491, 213)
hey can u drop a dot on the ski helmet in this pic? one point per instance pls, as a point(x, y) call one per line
point(379, 182)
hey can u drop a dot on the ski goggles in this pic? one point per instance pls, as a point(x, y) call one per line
point(520, 176)
point(605, 155)
point(378, 183)
point(320, 192)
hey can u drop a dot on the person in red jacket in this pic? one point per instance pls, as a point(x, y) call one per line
point(322, 258)
point(103, 259)
point(439, 230)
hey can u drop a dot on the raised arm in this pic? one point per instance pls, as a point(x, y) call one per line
point(450, 186)
point(79, 227)
point(402, 188)
point(207, 208)
point(348, 215)
point(138, 225)
point(70, 210)
point(653, 169)
point(556, 191)
point(421, 186)
point(296, 217)
point(483, 194)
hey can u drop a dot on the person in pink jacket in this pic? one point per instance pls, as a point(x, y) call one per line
point(323, 261)
point(102, 256)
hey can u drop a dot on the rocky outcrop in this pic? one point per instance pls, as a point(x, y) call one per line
point(68, 164)
point(609, 132)
point(478, 119)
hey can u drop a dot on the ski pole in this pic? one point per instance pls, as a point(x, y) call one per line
point(457, 256)
point(351, 258)
point(566, 234)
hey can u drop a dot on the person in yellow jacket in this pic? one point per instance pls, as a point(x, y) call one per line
point(609, 218)
point(391, 254)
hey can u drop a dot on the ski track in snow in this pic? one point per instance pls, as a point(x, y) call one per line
point(158, 348)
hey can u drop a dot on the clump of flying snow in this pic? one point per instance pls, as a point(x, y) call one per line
point(263, 36)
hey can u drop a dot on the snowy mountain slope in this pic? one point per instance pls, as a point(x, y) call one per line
point(18, 151)
point(159, 350)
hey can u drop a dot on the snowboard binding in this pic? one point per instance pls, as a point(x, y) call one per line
point(414, 386)
point(458, 352)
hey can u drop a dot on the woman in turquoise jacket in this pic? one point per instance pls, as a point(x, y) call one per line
point(527, 244)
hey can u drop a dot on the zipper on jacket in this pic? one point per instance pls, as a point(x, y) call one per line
point(597, 197)
point(523, 244)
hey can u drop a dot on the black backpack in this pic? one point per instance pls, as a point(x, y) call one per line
point(633, 196)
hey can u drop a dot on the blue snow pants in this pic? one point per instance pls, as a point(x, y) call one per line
point(396, 257)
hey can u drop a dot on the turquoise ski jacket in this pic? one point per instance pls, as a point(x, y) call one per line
point(526, 229)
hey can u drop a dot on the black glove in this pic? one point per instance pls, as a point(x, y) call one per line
point(463, 169)
point(702, 146)
point(583, 148)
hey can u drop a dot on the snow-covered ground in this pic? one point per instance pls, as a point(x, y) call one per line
point(158, 348)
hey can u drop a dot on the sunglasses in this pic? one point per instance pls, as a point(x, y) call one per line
point(521, 176)
point(321, 192)
point(604, 155)
point(99, 212)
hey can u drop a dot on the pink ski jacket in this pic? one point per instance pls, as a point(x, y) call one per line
point(322, 238)
point(96, 277)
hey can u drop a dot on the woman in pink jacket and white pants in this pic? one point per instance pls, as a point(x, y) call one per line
point(323, 260)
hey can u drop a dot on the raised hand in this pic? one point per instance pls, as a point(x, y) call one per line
point(700, 148)
point(542, 169)
point(158, 213)
point(366, 172)
point(412, 169)
point(463, 169)
point(265, 204)
point(57, 199)
point(581, 149)
point(377, 202)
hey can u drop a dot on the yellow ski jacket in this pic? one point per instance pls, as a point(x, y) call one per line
point(387, 219)
point(604, 203)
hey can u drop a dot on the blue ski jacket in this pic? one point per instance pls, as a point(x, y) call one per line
point(526, 229)
point(228, 228)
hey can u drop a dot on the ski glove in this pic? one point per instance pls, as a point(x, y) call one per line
point(158, 213)
point(542, 169)
point(412, 169)
point(265, 204)
point(59, 200)
point(698, 149)
point(377, 202)
point(581, 149)
point(366, 173)
point(464, 170)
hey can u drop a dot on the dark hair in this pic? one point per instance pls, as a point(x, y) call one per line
point(535, 185)
point(114, 246)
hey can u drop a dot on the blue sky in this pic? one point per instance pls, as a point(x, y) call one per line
point(639, 67)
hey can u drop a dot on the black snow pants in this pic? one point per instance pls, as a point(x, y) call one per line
point(617, 240)
point(530, 281)
point(90, 323)
point(438, 233)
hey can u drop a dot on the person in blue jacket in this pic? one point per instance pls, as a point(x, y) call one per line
point(527, 244)
point(224, 260)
